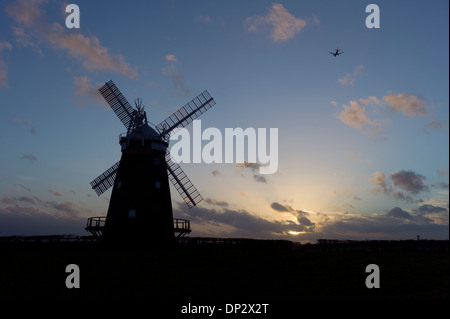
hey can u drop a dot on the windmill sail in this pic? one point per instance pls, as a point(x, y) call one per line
point(102, 183)
point(118, 103)
point(182, 183)
point(185, 115)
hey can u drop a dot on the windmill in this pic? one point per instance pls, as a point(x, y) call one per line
point(140, 208)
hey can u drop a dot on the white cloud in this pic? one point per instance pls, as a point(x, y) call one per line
point(33, 29)
point(355, 115)
point(83, 87)
point(283, 24)
point(349, 79)
point(406, 103)
point(361, 113)
point(171, 57)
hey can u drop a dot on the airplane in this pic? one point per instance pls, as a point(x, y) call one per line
point(336, 53)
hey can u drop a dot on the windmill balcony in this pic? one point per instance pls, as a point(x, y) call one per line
point(96, 225)
point(182, 227)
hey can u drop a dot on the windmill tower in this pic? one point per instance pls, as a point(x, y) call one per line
point(140, 208)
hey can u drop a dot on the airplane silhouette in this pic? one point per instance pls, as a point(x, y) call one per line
point(336, 53)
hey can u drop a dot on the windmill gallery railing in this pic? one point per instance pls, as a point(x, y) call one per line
point(95, 226)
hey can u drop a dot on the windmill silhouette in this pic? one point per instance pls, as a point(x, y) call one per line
point(140, 208)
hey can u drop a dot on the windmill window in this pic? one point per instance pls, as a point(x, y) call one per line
point(157, 184)
point(156, 161)
point(132, 214)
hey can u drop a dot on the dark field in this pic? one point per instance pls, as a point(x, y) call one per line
point(205, 274)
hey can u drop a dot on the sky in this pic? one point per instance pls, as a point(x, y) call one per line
point(363, 138)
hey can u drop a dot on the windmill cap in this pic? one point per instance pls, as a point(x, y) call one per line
point(144, 132)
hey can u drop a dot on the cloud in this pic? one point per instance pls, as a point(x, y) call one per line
point(30, 127)
point(349, 79)
point(23, 187)
point(406, 180)
point(356, 116)
point(302, 216)
point(418, 214)
point(282, 25)
point(279, 207)
point(429, 209)
point(397, 212)
point(402, 196)
point(239, 223)
point(442, 172)
point(208, 20)
point(216, 202)
point(25, 39)
point(216, 173)
point(380, 183)
point(369, 99)
point(314, 19)
point(28, 124)
point(83, 88)
point(173, 72)
point(67, 208)
point(33, 29)
point(34, 203)
point(29, 220)
point(361, 113)
point(409, 181)
point(54, 192)
point(7, 200)
point(406, 103)
point(442, 185)
point(253, 167)
point(397, 223)
point(435, 125)
point(28, 13)
point(203, 19)
point(259, 178)
point(20, 199)
point(29, 157)
point(3, 67)
point(171, 57)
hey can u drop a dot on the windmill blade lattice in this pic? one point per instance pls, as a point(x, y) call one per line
point(182, 183)
point(185, 115)
point(102, 183)
point(118, 102)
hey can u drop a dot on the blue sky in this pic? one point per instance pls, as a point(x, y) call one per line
point(363, 137)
